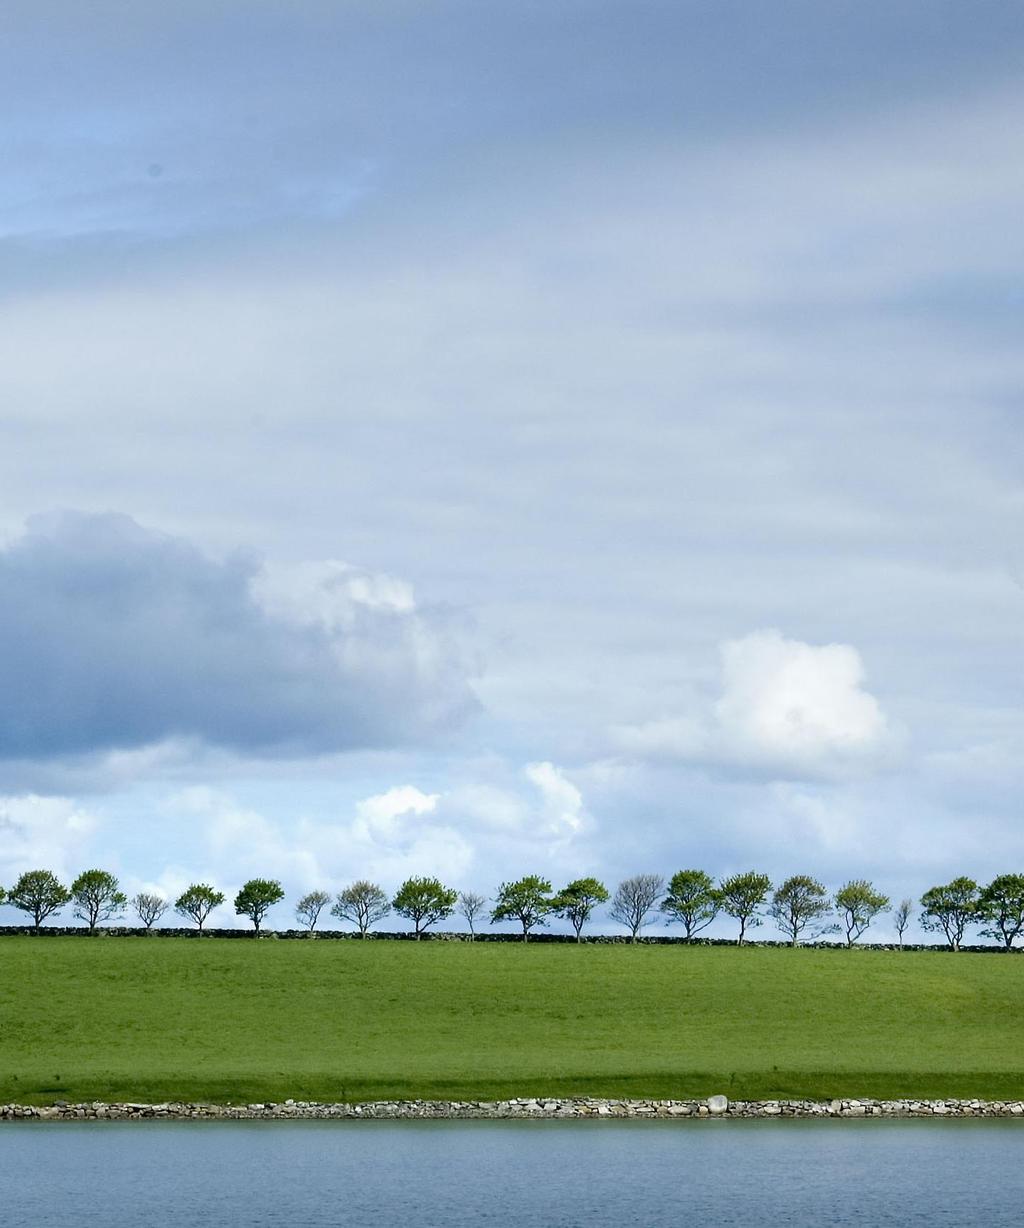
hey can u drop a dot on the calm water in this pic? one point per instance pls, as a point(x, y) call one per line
point(536, 1174)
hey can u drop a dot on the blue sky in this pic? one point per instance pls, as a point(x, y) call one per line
point(475, 439)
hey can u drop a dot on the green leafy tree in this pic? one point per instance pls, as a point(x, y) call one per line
point(256, 898)
point(471, 906)
point(527, 901)
point(424, 902)
point(901, 918)
point(309, 908)
point(97, 896)
point(197, 902)
point(3, 895)
point(635, 899)
point(576, 901)
point(951, 909)
point(743, 896)
point(39, 893)
point(692, 900)
point(363, 903)
point(800, 902)
point(149, 908)
point(858, 904)
point(1001, 907)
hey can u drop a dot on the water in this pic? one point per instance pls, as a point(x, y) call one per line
point(458, 1174)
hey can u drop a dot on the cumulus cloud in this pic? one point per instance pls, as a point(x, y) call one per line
point(561, 810)
point(466, 836)
point(43, 833)
point(786, 709)
point(113, 636)
point(390, 836)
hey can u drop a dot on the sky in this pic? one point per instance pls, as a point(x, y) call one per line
point(468, 439)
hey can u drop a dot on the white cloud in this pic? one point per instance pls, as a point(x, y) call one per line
point(786, 709)
point(391, 835)
point(50, 833)
point(385, 816)
point(561, 810)
point(328, 593)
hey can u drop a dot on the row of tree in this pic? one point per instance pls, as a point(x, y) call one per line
point(800, 907)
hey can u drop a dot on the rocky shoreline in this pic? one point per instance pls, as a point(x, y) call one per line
point(532, 1109)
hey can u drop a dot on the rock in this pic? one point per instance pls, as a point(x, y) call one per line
point(717, 1104)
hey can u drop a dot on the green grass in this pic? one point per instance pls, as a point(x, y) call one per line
point(226, 1020)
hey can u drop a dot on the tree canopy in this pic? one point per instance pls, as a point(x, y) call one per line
point(39, 893)
point(692, 900)
point(363, 904)
point(742, 897)
point(424, 902)
point(528, 901)
point(951, 908)
point(309, 908)
point(858, 903)
point(801, 901)
point(1001, 907)
point(577, 900)
point(196, 903)
point(256, 898)
point(97, 897)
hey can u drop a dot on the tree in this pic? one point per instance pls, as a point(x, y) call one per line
point(799, 902)
point(197, 902)
point(424, 902)
point(901, 918)
point(471, 906)
point(364, 904)
point(39, 893)
point(527, 901)
point(97, 897)
point(309, 908)
point(692, 900)
point(858, 903)
point(150, 908)
point(1001, 906)
point(634, 900)
point(256, 898)
point(3, 895)
point(951, 909)
point(578, 900)
point(742, 896)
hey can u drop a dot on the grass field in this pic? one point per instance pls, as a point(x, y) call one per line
point(227, 1020)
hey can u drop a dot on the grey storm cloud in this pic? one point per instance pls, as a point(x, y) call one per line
point(115, 636)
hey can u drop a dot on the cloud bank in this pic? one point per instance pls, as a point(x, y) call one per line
point(113, 636)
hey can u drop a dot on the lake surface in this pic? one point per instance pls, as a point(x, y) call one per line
point(462, 1174)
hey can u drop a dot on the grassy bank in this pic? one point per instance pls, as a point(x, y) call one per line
point(224, 1020)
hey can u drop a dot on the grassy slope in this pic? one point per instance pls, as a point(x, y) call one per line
point(225, 1020)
